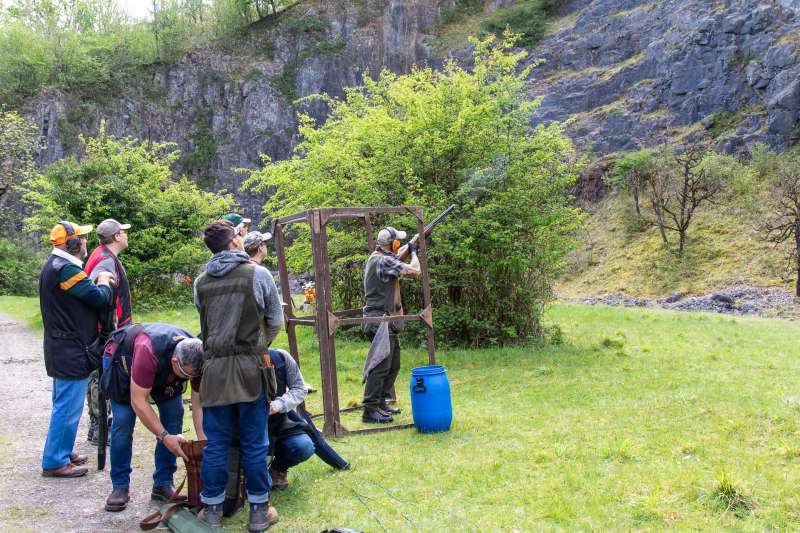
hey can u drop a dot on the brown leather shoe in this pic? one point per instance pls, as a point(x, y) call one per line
point(280, 479)
point(166, 493)
point(68, 470)
point(78, 460)
point(117, 500)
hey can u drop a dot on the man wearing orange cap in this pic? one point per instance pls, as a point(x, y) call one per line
point(69, 303)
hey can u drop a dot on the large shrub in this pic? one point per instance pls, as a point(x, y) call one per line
point(528, 18)
point(431, 138)
point(132, 182)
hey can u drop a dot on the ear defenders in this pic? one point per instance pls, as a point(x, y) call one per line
point(395, 240)
point(73, 241)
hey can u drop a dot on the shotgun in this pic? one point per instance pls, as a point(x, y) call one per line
point(107, 323)
point(403, 252)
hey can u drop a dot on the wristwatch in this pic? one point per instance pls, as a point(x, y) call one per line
point(163, 435)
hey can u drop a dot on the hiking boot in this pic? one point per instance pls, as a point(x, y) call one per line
point(388, 409)
point(262, 516)
point(166, 493)
point(117, 500)
point(78, 460)
point(373, 415)
point(280, 479)
point(211, 515)
point(68, 470)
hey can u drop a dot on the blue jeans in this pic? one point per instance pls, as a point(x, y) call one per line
point(253, 441)
point(67, 398)
point(170, 412)
point(291, 451)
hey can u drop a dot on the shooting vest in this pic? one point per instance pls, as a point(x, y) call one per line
point(70, 325)
point(280, 425)
point(382, 298)
point(234, 340)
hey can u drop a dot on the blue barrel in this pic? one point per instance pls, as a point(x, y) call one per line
point(430, 399)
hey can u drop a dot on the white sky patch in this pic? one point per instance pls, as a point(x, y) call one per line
point(138, 9)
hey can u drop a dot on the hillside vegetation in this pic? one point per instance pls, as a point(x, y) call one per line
point(725, 247)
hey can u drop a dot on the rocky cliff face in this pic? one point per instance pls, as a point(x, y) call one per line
point(622, 73)
point(628, 74)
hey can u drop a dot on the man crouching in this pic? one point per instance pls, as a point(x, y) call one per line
point(161, 358)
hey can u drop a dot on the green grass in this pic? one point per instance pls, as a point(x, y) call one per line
point(724, 247)
point(642, 420)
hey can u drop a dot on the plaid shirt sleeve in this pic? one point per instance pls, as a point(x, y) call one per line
point(389, 267)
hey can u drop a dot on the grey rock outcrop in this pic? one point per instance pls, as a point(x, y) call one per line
point(623, 74)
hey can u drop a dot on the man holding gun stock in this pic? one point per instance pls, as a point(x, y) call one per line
point(382, 290)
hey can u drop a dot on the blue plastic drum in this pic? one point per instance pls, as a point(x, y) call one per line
point(431, 405)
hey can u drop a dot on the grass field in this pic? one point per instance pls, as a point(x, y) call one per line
point(642, 420)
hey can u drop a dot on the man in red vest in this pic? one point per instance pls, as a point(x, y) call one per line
point(113, 238)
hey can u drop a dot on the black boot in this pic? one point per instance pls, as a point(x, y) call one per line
point(262, 516)
point(212, 515)
point(386, 408)
point(373, 415)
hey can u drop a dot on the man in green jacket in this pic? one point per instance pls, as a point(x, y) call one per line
point(240, 315)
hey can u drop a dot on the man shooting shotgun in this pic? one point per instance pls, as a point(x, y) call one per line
point(382, 289)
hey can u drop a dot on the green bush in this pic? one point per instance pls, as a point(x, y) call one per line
point(528, 18)
point(132, 182)
point(432, 138)
point(19, 268)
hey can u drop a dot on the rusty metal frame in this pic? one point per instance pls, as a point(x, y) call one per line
point(326, 321)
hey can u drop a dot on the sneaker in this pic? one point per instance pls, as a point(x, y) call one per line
point(211, 515)
point(262, 517)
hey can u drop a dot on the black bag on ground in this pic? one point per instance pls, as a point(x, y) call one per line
point(115, 380)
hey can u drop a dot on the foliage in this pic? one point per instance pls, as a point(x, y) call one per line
point(19, 267)
point(91, 47)
point(783, 223)
point(433, 138)
point(528, 18)
point(132, 182)
point(632, 173)
point(17, 144)
point(723, 122)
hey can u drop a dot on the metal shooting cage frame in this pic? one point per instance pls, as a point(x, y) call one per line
point(326, 321)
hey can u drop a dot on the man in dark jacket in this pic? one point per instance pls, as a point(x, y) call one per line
point(240, 315)
point(163, 358)
point(382, 290)
point(69, 304)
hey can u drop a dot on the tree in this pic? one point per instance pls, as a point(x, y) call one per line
point(132, 182)
point(784, 225)
point(432, 138)
point(17, 151)
point(632, 173)
point(683, 183)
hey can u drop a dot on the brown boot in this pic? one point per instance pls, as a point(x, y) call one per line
point(117, 500)
point(280, 479)
point(78, 460)
point(166, 493)
point(262, 517)
point(68, 470)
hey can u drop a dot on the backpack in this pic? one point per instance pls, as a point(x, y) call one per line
point(115, 381)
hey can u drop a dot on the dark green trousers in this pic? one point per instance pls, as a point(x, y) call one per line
point(381, 379)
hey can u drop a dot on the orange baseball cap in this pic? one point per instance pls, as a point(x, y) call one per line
point(59, 234)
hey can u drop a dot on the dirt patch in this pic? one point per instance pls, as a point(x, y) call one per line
point(29, 502)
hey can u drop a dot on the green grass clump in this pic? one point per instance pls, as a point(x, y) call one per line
point(730, 498)
point(527, 18)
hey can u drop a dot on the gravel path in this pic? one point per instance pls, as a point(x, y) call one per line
point(29, 502)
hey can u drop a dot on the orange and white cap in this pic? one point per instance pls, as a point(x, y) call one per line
point(59, 234)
